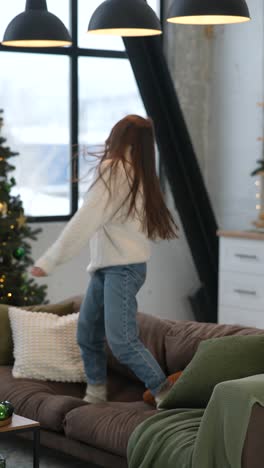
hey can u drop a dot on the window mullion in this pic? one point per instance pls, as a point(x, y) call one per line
point(74, 106)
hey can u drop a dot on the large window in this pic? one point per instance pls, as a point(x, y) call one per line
point(57, 99)
point(106, 95)
point(35, 97)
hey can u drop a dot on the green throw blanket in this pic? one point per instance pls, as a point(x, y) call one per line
point(198, 438)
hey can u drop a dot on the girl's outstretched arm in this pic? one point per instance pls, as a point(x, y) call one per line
point(96, 210)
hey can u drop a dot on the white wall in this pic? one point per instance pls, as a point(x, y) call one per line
point(219, 77)
point(218, 74)
point(188, 50)
point(171, 276)
point(235, 118)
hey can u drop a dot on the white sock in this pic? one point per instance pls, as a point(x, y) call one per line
point(96, 393)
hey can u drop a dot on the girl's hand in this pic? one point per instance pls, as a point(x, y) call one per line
point(36, 271)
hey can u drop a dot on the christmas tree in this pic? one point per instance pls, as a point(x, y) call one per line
point(16, 288)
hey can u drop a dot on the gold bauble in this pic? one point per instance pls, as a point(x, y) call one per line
point(21, 220)
point(3, 208)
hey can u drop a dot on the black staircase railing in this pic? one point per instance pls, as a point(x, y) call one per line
point(181, 167)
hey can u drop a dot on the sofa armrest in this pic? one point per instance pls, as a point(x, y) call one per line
point(253, 450)
point(77, 301)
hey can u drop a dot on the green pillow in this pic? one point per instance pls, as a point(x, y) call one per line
point(216, 360)
point(6, 342)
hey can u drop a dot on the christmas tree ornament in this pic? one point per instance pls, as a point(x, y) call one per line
point(19, 253)
point(3, 412)
point(21, 220)
point(3, 208)
point(9, 407)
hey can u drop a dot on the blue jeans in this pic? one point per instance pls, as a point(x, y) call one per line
point(109, 312)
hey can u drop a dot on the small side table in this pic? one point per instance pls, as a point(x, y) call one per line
point(21, 424)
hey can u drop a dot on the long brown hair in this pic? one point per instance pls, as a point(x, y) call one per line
point(137, 134)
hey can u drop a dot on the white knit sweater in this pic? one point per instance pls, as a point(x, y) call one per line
point(114, 240)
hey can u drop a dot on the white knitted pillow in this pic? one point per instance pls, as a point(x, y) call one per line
point(45, 346)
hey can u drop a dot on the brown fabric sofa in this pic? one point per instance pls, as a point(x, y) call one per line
point(99, 433)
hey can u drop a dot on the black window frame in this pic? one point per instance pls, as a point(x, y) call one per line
point(73, 52)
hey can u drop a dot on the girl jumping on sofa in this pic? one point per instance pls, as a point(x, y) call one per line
point(123, 210)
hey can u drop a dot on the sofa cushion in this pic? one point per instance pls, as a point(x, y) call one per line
point(66, 308)
point(216, 360)
point(6, 342)
point(184, 337)
point(253, 449)
point(106, 426)
point(76, 301)
point(152, 332)
point(45, 346)
point(119, 388)
point(46, 402)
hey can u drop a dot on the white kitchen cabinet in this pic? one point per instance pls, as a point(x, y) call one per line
point(241, 278)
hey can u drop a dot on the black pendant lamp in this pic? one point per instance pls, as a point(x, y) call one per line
point(36, 27)
point(124, 18)
point(208, 12)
